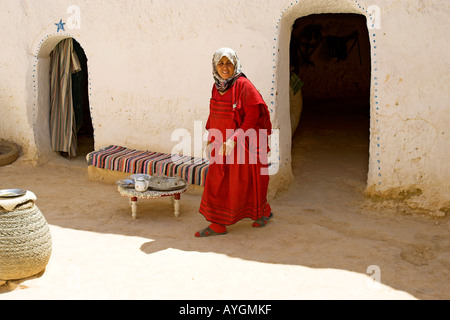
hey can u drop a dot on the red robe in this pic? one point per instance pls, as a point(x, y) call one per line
point(236, 189)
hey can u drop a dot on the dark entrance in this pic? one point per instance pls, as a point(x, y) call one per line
point(331, 55)
point(80, 96)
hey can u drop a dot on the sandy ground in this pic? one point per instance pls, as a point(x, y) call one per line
point(325, 241)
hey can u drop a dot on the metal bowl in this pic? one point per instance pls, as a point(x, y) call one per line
point(12, 193)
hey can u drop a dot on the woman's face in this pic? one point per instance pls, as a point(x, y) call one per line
point(225, 68)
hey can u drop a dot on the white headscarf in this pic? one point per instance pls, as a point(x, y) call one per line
point(222, 84)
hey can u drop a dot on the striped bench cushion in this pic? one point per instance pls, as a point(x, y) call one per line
point(118, 158)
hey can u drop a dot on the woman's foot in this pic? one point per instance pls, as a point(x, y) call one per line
point(262, 222)
point(214, 229)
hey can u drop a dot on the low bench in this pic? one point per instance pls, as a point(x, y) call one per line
point(113, 163)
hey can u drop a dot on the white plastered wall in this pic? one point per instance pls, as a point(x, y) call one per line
point(150, 74)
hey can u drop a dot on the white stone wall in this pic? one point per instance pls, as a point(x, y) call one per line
point(150, 73)
point(410, 142)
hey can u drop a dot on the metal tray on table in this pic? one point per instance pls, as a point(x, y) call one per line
point(166, 183)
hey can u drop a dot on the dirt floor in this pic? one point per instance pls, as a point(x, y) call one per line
point(325, 241)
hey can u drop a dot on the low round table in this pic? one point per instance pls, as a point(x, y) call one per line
point(152, 194)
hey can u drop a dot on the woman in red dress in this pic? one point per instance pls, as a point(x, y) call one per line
point(238, 125)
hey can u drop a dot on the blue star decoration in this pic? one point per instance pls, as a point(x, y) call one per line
point(60, 25)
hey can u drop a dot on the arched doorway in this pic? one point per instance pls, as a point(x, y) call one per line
point(331, 135)
point(79, 83)
point(69, 101)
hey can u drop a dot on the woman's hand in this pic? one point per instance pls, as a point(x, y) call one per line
point(207, 152)
point(227, 147)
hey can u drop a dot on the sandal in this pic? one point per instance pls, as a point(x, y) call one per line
point(262, 222)
point(207, 232)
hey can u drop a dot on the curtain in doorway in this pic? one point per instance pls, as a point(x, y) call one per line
point(64, 62)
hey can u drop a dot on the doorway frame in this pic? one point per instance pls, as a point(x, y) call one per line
point(279, 95)
point(41, 95)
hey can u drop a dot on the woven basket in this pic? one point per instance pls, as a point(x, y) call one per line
point(25, 241)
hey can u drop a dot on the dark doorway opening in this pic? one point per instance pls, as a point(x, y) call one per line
point(80, 97)
point(330, 53)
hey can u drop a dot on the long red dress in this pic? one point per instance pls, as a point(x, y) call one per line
point(235, 190)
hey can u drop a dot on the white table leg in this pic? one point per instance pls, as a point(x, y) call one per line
point(176, 204)
point(133, 203)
